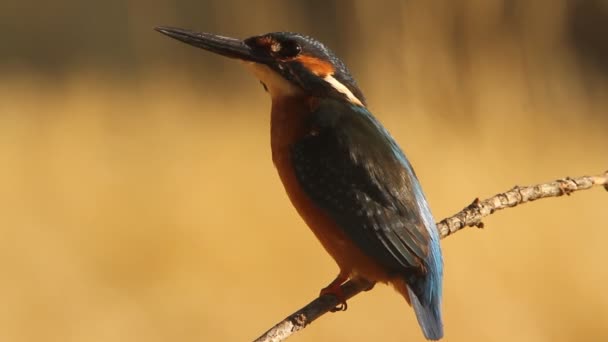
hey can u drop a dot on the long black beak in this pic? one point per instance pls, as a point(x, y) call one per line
point(225, 46)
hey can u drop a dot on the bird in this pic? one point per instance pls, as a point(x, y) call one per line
point(342, 170)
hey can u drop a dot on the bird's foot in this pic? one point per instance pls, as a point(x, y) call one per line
point(335, 290)
point(367, 285)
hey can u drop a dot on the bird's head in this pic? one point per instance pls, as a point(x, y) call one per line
point(287, 64)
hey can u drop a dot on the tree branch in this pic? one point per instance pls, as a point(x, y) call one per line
point(470, 216)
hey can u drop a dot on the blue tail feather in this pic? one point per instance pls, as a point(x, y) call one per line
point(428, 315)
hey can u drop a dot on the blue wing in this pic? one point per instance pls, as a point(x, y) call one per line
point(352, 169)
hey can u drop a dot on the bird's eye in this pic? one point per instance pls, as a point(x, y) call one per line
point(287, 49)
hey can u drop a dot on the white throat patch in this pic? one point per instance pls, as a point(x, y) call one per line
point(277, 86)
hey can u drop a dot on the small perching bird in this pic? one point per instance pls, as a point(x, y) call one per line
point(343, 172)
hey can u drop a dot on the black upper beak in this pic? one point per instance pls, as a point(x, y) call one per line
point(225, 46)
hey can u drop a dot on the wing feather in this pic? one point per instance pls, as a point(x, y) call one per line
point(352, 168)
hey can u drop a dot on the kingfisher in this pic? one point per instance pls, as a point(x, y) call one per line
point(343, 172)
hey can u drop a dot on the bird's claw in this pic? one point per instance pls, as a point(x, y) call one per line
point(340, 307)
point(336, 291)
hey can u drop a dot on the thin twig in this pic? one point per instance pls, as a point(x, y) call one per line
point(470, 216)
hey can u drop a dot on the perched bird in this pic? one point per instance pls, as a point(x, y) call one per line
point(343, 172)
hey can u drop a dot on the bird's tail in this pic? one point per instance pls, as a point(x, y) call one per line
point(428, 310)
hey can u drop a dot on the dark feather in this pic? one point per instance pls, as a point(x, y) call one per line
point(353, 170)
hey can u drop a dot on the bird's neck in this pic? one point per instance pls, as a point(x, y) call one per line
point(288, 123)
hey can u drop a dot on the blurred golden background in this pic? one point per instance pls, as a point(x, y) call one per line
point(139, 202)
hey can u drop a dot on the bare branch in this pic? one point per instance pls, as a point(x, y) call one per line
point(468, 217)
point(471, 215)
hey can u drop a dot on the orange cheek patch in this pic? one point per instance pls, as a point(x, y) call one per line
point(316, 66)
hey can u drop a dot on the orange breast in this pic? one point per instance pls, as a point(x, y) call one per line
point(287, 126)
